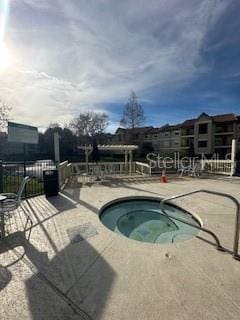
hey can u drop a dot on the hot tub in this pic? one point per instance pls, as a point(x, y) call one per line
point(141, 219)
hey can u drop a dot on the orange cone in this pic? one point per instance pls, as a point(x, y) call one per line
point(163, 178)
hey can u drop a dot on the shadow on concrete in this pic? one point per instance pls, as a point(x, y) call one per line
point(70, 197)
point(5, 276)
point(130, 183)
point(73, 189)
point(65, 201)
point(74, 284)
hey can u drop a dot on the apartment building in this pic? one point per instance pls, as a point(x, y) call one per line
point(165, 139)
point(211, 134)
point(136, 136)
point(206, 134)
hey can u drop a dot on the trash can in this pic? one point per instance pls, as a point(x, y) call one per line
point(50, 182)
point(237, 169)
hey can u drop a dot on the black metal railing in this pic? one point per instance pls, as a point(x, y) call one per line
point(12, 173)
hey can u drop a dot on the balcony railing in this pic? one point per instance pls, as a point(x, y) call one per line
point(187, 134)
point(223, 133)
point(224, 129)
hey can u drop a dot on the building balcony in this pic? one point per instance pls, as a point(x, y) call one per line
point(223, 146)
point(187, 135)
point(223, 133)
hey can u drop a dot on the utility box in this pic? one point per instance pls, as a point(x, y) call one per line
point(50, 182)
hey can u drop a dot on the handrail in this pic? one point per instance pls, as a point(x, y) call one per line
point(237, 218)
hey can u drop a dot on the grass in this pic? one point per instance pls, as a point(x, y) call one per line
point(11, 184)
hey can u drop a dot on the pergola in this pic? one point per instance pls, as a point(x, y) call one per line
point(126, 149)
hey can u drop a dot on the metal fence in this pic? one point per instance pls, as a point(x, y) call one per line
point(12, 173)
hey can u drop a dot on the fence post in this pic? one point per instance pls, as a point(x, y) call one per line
point(1, 176)
point(233, 155)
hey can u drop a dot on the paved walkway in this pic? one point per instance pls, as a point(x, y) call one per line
point(75, 268)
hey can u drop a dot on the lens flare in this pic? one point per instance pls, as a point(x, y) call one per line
point(4, 54)
point(5, 57)
point(4, 12)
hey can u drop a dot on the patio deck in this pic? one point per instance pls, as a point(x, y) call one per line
point(75, 268)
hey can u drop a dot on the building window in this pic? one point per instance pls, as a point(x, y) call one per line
point(176, 143)
point(188, 132)
point(155, 136)
point(203, 128)
point(166, 134)
point(202, 144)
point(176, 133)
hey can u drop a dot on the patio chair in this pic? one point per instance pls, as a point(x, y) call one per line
point(13, 201)
point(184, 169)
point(196, 170)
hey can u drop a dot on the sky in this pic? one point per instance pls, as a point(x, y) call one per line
point(59, 58)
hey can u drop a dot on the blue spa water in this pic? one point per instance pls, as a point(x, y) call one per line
point(142, 220)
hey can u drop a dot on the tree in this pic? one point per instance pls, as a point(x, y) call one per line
point(54, 125)
point(68, 142)
point(89, 123)
point(133, 114)
point(146, 148)
point(4, 115)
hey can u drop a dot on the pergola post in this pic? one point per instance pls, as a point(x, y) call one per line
point(126, 161)
point(86, 160)
point(87, 152)
point(130, 162)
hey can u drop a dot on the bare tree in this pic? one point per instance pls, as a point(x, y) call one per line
point(4, 115)
point(133, 114)
point(53, 125)
point(89, 123)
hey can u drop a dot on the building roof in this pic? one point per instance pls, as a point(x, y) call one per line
point(174, 126)
point(188, 123)
point(224, 117)
point(140, 130)
point(166, 127)
point(156, 130)
point(228, 117)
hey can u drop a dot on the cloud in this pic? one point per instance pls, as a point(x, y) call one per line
point(83, 55)
point(39, 98)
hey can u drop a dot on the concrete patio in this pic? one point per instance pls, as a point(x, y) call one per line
point(75, 268)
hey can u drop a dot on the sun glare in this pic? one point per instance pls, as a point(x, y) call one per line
point(5, 57)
